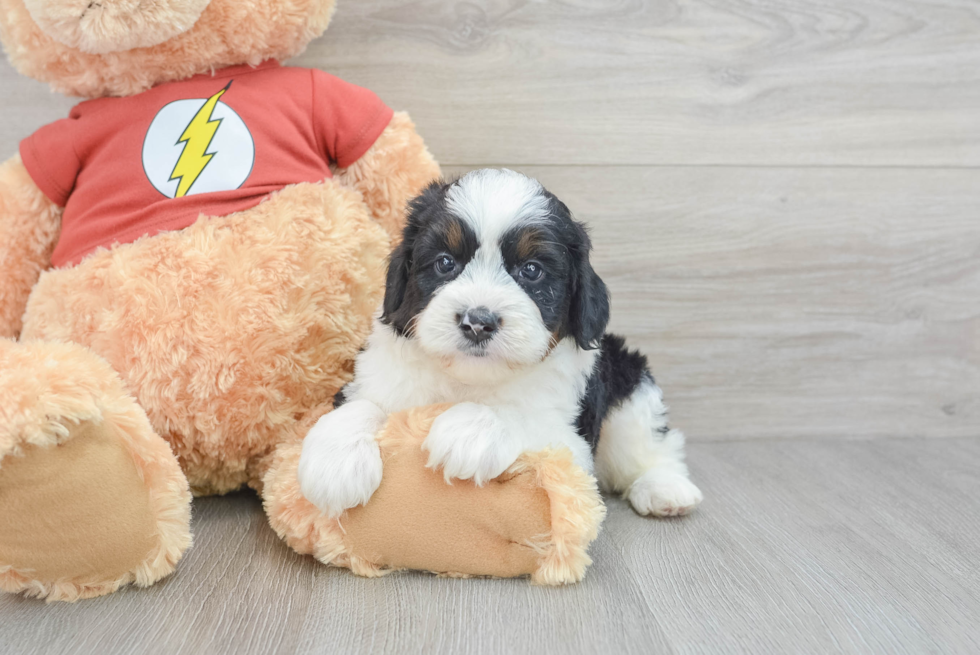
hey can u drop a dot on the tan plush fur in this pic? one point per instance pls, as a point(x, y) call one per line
point(228, 333)
point(197, 360)
point(29, 224)
point(228, 330)
point(47, 388)
point(414, 522)
point(392, 172)
point(576, 514)
point(291, 515)
point(229, 32)
point(114, 25)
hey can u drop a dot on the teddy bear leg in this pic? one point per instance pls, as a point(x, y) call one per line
point(291, 515)
point(90, 497)
point(536, 520)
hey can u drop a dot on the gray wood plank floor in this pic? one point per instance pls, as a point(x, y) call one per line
point(785, 200)
point(816, 546)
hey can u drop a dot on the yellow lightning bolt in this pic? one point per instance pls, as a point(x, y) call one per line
point(196, 138)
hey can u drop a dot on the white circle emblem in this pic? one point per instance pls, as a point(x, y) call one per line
point(196, 146)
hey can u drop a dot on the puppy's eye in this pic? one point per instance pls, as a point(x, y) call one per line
point(445, 265)
point(531, 271)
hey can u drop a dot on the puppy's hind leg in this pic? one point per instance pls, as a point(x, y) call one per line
point(641, 458)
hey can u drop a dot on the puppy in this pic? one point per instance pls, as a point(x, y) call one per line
point(491, 303)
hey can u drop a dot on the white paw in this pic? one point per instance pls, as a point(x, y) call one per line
point(664, 493)
point(340, 466)
point(470, 442)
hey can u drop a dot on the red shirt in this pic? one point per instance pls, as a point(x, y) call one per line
point(214, 144)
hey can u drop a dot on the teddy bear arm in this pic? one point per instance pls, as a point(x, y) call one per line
point(393, 171)
point(537, 519)
point(29, 228)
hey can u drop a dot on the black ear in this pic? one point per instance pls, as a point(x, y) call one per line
point(400, 262)
point(588, 312)
point(399, 265)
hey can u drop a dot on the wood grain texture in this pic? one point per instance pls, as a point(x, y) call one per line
point(839, 82)
point(864, 546)
point(778, 302)
point(785, 200)
point(25, 105)
point(588, 82)
point(774, 300)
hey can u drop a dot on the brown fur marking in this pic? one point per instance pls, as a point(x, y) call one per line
point(454, 236)
point(528, 244)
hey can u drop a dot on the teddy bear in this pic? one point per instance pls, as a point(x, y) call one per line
point(188, 265)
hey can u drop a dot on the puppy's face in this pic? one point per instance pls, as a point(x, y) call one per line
point(491, 273)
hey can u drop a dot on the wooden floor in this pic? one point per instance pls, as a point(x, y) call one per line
point(785, 200)
point(816, 546)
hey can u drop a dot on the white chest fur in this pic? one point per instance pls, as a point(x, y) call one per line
point(539, 404)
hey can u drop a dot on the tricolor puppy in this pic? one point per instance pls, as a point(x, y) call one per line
point(491, 304)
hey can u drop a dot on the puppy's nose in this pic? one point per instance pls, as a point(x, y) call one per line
point(479, 324)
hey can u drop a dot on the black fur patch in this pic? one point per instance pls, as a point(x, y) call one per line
point(588, 312)
point(572, 298)
point(431, 232)
point(618, 372)
point(541, 244)
point(340, 397)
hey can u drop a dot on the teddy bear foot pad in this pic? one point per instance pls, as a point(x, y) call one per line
point(90, 498)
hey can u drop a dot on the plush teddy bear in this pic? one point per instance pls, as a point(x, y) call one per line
point(188, 264)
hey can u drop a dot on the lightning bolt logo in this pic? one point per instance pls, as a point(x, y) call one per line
point(197, 137)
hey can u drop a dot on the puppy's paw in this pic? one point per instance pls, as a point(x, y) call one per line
point(470, 442)
point(340, 466)
point(664, 493)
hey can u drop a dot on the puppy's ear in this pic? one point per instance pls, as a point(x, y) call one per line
point(588, 312)
point(400, 262)
point(399, 266)
point(418, 206)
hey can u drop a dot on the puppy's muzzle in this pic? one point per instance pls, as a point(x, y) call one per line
point(479, 324)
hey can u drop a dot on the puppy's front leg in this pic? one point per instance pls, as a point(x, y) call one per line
point(470, 441)
point(340, 466)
